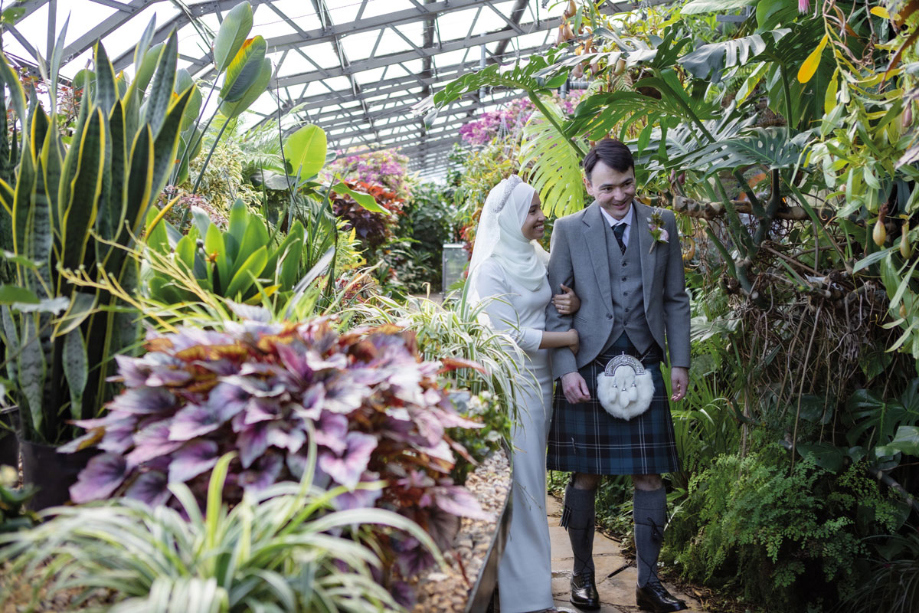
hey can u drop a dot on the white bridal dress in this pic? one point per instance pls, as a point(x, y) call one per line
point(525, 573)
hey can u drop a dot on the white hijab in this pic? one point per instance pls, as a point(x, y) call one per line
point(500, 235)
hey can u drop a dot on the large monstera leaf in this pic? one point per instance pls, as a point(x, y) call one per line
point(769, 147)
point(713, 59)
point(551, 165)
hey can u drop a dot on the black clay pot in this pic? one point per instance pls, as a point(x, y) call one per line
point(9, 442)
point(52, 473)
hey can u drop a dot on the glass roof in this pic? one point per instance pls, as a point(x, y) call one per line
point(354, 67)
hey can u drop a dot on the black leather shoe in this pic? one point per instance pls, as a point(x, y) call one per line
point(655, 597)
point(584, 591)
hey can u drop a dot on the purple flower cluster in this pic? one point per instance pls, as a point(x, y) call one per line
point(373, 409)
point(386, 167)
point(510, 119)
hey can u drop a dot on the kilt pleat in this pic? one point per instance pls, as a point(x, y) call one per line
point(584, 438)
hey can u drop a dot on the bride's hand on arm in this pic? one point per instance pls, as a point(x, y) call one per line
point(566, 303)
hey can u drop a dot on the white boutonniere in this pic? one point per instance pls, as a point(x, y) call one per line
point(658, 232)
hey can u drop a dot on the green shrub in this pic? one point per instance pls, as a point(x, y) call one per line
point(751, 524)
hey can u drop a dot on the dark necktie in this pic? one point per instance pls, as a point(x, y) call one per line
point(619, 231)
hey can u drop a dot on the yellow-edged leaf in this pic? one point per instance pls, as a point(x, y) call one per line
point(829, 101)
point(880, 11)
point(809, 67)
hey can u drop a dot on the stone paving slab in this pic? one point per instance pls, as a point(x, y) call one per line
point(617, 592)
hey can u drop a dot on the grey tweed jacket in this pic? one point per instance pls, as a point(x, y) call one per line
point(578, 258)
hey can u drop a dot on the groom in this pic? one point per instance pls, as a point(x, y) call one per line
point(624, 261)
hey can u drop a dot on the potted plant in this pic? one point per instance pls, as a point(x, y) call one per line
point(77, 207)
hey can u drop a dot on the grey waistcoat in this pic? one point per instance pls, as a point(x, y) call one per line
point(628, 301)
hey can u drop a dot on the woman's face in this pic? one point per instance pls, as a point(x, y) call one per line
point(534, 226)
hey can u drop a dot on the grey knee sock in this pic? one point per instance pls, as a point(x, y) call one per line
point(578, 520)
point(649, 510)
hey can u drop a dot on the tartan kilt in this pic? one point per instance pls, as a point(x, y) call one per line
point(584, 438)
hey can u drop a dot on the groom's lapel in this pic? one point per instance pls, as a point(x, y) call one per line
point(647, 252)
point(595, 230)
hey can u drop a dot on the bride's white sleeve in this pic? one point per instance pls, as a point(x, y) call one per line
point(494, 288)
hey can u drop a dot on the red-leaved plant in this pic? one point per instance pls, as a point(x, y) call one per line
point(372, 406)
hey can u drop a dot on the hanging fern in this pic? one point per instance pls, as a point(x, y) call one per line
point(551, 165)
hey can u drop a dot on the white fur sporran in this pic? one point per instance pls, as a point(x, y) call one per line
point(625, 388)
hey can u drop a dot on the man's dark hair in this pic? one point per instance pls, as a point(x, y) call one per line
point(611, 152)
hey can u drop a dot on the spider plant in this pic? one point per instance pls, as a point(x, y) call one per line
point(281, 550)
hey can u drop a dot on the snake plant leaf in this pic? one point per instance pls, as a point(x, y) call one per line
point(143, 45)
point(22, 204)
point(157, 238)
point(184, 82)
point(76, 370)
point(17, 93)
point(165, 148)
point(232, 35)
point(56, 57)
point(81, 212)
point(32, 371)
point(112, 208)
point(258, 87)
point(144, 71)
point(140, 177)
point(247, 273)
point(106, 93)
point(552, 167)
point(305, 151)
point(52, 166)
point(160, 98)
point(244, 70)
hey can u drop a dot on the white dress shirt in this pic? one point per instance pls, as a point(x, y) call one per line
point(627, 220)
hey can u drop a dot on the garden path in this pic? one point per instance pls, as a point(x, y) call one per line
point(617, 593)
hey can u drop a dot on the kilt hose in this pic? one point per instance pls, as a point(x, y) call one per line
point(584, 438)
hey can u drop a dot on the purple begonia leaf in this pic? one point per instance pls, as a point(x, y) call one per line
point(191, 460)
point(252, 443)
point(317, 363)
point(168, 378)
point(451, 419)
point(368, 376)
point(251, 331)
point(83, 442)
point(403, 593)
point(100, 422)
point(131, 370)
point(331, 430)
point(442, 527)
point(101, 477)
point(193, 421)
point(359, 498)
point(296, 464)
point(256, 387)
point(416, 479)
point(151, 442)
point(412, 557)
point(344, 396)
point(347, 469)
point(187, 338)
point(262, 409)
point(227, 400)
point(119, 437)
point(143, 401)
point(150, 487)
point(429, 427)
point(263, 474)
point(260, 369)
point(294, 360)
point(291, 440)
point(311, 402)
point(222, 367)
point(459, 501)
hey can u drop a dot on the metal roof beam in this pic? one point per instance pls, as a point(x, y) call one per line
point(385, 60)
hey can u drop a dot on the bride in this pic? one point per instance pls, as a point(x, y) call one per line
point(509, 266)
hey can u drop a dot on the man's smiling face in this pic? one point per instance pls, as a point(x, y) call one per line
point(613, 190)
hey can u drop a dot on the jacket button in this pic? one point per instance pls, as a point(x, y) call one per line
point(609, 315)
point(625, 278)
